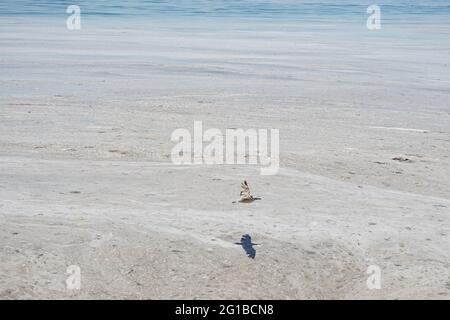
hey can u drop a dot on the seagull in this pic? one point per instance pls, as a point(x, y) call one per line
point(246, 196)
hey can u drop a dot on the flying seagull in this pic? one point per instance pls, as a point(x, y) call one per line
point(246, 196)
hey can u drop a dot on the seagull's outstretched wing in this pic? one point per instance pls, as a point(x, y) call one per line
point(245, 192)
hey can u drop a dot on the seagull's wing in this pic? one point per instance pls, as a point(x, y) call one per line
point(245, 191)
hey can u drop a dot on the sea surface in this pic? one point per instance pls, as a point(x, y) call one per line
point(282, 47)
point(245, 9)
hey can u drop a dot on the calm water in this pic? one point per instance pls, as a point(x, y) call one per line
point(259, 9)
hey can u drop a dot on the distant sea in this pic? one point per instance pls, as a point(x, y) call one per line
point(228, 9)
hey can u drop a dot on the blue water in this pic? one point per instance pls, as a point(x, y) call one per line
point(260, 9)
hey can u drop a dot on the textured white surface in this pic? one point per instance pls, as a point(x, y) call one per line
point(86, 178)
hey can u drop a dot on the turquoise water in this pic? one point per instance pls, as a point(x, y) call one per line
point(260, 9)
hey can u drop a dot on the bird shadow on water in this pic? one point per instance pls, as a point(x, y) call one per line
point(247, 245)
